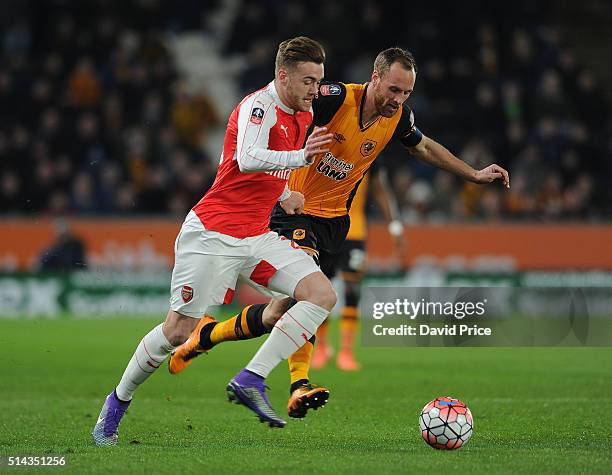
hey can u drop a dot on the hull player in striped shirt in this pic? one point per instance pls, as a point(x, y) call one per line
point(363, 119)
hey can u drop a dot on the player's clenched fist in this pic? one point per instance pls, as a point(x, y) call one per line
point(294, 204)
point(317, 143)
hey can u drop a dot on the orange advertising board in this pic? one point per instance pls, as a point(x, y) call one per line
point(27, 239)
point(547, 247)
point(552, 247)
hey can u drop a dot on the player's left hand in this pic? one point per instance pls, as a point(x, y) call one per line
point(492, 173)
point(294, 204)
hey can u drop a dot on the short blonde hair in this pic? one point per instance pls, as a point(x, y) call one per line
point(298, 50)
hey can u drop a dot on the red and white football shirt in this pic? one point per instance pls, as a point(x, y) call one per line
point(263, 143)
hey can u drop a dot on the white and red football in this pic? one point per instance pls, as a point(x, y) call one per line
point(446, 423)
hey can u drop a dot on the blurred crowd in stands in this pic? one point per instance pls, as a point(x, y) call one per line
point(95, 119)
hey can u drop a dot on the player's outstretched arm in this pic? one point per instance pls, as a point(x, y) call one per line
point(430, 151)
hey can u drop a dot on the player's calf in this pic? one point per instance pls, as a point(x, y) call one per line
point(150, 353)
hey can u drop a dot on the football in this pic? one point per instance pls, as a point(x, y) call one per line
point(446, 423)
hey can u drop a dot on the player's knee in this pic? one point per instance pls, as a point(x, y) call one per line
point(177, 327)
point(317, 289)
point(325, 298)
point(176, 335)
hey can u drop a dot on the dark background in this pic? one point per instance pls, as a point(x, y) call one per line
point(96, 118)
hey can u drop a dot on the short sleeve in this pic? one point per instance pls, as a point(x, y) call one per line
point(330, 98)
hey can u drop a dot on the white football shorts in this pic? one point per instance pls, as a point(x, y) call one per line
point(208, 264)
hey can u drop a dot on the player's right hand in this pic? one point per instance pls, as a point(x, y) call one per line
point(294, 204)
point(317, 143)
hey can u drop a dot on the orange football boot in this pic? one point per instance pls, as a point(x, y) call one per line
point(184, 354)
point(306, 397)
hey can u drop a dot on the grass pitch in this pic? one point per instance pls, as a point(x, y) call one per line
point(541, 409)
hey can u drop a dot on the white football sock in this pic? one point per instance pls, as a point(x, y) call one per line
point(149, 355)
point(289, 334)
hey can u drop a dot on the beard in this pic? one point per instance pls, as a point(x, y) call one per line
point(384, 109)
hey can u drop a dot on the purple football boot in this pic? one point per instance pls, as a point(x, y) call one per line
point(106, 430)
point(248, 389)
